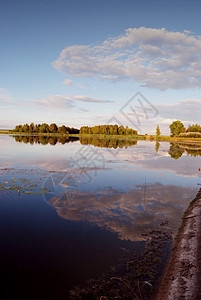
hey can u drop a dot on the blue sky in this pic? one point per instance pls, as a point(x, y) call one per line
point(79, 62)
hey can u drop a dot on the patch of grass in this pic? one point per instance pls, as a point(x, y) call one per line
point(3, 131)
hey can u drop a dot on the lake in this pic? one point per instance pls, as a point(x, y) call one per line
point(74, 210)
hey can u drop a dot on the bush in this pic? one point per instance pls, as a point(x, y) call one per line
point(190, 134)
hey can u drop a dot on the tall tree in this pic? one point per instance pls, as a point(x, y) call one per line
point(25, 127)
point(31, 127)
point(176, 128)
point(158, 132)
point(121, 130)
point(115, 131)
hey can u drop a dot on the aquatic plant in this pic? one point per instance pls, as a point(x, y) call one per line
point(22, 185)
point(135, 277)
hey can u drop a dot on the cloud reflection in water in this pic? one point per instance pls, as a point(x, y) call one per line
point(129, 214)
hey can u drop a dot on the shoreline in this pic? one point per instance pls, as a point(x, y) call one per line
point(169, 139)
point(182, 276)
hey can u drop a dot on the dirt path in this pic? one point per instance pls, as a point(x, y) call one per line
point(183, 276)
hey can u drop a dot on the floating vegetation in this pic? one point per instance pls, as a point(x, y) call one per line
point(23, 186)
point(135, 277)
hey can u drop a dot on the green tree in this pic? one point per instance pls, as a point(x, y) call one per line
point(36, 128)
point(73, 130)
point(115, 131)
point(53, 128)
point(44, 128)
point(111, 129)
point(25, 128)
point(158, 132)
point(20, 128)
point(84, 130)
point(96, 129)
point(16, 128)
point(176, 128)
point(62, 129)
point(194, 128)
point(121, 130)
point(126, 130)
point(31, 127)
point(69, 130)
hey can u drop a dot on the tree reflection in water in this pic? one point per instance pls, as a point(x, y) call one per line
point(44, 140)
point(178, 149)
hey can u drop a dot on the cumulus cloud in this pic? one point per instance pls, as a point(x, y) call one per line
point(156, 58)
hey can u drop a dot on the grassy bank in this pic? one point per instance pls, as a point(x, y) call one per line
point(2, 131)
point(36, 133)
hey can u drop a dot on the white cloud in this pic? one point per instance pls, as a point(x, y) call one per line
point(89, 99)
point(156, 58)
point(68, 82)
point(60, 101)
point(188, 111)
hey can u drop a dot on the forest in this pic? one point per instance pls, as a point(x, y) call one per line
point(108, 130)
point(45, 128)
point(54, 128)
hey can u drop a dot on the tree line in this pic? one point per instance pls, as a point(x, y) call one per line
point(108, 130)
point(45, 128)
point(177, 128)
point(53, 128)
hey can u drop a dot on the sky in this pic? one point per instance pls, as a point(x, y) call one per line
point(84, 62)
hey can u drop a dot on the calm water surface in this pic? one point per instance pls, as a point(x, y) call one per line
point(70, 209)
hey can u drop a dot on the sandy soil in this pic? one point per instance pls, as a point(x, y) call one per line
point(182, 279)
